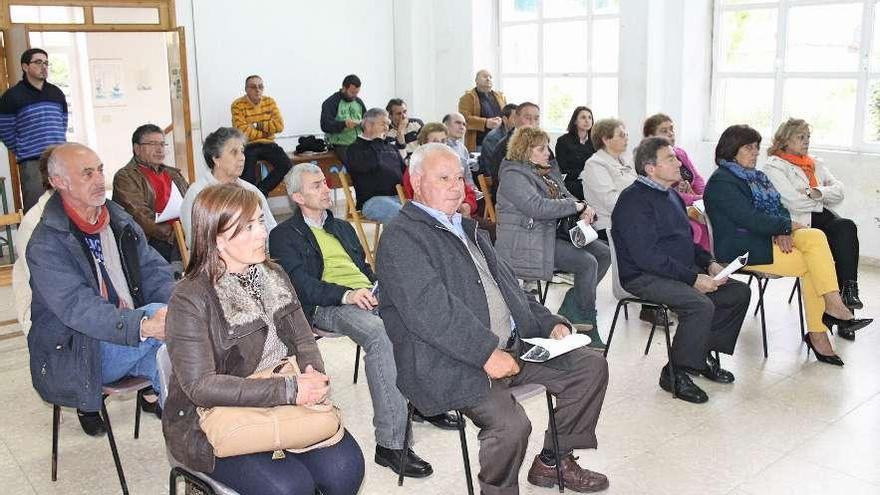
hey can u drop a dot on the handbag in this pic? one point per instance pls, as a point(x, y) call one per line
point(233, 430)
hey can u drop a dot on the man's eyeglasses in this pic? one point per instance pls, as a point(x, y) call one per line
point(40, 62)
point(159, 144)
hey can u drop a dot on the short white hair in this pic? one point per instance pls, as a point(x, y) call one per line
point(426, 150)
point(293, 179)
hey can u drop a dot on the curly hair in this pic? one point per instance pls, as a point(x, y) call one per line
point(785, 132)
point(428, 129)
point(523, 140)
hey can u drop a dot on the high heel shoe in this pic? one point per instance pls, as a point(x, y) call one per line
point(822, 358)
point(848, 326)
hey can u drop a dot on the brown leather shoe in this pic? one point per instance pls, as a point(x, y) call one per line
point(576, 478)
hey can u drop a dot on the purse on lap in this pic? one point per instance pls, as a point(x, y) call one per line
point(295, 428)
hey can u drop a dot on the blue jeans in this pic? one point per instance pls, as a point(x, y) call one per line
point(335, 470)
point(119, 361)
point(382, 209)
point(368, 331)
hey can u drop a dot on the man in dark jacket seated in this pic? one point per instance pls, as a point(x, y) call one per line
point(658, 261)
point(376, 168)
point(99, 291)
point(455, 315)
point(324, 260)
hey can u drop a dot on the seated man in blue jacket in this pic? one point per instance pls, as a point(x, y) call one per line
point(455, 315)
point(99, 291)
point(324, 260)
point(658, 261)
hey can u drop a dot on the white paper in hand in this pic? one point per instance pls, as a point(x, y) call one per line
point(737, 263)
point(172, 208)
point(700, 206)
point(547, 349)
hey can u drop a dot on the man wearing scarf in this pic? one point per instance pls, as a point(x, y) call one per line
point(143, 187)
point(99, 291)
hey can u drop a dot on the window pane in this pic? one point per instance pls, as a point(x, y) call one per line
point(824, 38)
point(606, 6)
point(45, 15)
point(748, 40)
point(519, 10)
point(606, 45)
point(565, 46)
point(604, 101)
point(827, 104)
point(520, 89)
point(561, 95)
point(743, 101)
point(565, 8)
point(872, 112)
point(519, 49)
point(875, 46)
point(125, 15)
point(741, 2)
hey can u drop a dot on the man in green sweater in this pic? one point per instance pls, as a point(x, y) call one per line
point(341, 115)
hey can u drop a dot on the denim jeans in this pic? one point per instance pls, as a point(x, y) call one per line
point(368, 331)
point(119, 361)
point(382, 209)
point(589, 265)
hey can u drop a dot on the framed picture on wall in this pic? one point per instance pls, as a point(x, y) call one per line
point(108, 84)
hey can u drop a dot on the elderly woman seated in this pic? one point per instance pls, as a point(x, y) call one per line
point(532, 198)
point(236, 313)
point(747, 215)
point(808, 190)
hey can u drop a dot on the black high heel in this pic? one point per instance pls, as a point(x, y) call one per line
point(847, 326)
point(823, 358)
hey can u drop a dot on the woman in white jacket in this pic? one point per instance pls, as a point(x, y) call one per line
point(808, 191)
point(608, 172)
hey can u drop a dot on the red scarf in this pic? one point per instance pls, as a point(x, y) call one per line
point(82, 224)
point(805, 163)
point(161, 184)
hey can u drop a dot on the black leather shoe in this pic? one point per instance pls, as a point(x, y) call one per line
point(715, 372)
point(414, 466)
point(152, 407)
point(846, 325)
point(654, 316)
point(850, 295)
point(91, 423)
point(685, 388)
point(846, 334)
point(823, 358)
point(445, 421)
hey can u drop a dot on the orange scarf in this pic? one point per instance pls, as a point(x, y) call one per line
point(805, 163)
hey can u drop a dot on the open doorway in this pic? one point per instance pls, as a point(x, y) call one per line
point(113, 82)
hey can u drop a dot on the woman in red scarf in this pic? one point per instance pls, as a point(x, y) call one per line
point(808, 191)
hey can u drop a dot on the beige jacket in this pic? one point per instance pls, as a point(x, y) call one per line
point(792, 182)
point(21, 275)
point(604, 178)
point(469, 106)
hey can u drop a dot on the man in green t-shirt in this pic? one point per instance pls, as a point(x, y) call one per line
point(341, 115)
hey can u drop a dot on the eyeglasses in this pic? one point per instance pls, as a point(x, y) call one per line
point(40, 62)
point(162, 144)
point(255, 86)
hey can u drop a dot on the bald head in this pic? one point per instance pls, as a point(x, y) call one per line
point(76, 172)
point(437, 177)
point(483, 80)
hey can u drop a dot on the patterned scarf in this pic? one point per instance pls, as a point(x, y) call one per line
point(544, 174)
point(252, 280)
point(765, 197)
point(803, 162)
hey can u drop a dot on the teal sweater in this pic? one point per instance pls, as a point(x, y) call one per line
point(737, 226)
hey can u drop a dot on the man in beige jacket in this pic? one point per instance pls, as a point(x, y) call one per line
point(481, 107)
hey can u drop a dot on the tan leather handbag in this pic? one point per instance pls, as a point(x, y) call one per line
point(248, 430)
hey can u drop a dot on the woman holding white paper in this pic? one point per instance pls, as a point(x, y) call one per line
point(532, 198)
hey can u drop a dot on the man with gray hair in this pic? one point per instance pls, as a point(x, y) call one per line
point(99, 291)
point(376, 168)
point(456, 315)
point(456, 126)
point(324, 260)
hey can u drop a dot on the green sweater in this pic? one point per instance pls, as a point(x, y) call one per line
point(347, 110)
point(339, 269)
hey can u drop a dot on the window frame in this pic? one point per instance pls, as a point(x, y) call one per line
point(540, 21)
point(862, 76)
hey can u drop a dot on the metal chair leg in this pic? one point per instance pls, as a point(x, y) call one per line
point(626, 311)
point(613, 324)
point(794, 288)
point(138, 401)
point(669, 354)
point(357, 362)
point(761, 290)
point(464, 453)
point(650, 338)
point(551, 411)
point(543, 293)
point(56, 419)
point(402, 462)
point(113, 448)
point(800, 299)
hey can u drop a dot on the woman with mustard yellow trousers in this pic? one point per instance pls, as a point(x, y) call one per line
point(747, 215)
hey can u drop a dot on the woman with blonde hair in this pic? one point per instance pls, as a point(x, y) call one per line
point(236, 313)
point(808, 191)
point(532, 198)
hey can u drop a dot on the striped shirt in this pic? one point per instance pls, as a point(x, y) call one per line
point(32, 119)
point(245, 114)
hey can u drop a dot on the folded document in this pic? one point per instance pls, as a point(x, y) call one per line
point(547, 349)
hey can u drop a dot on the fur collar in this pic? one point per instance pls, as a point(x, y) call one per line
point(240, 309)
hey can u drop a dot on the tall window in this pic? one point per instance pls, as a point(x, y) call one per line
point(813, 59)
point(560, 54)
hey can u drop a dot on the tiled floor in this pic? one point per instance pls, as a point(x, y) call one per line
point(788, 424)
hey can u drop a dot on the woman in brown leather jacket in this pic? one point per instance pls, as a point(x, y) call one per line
point(233, 314)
